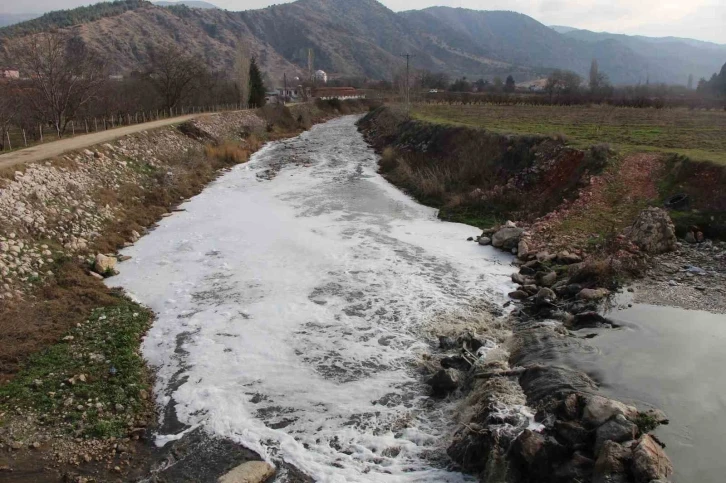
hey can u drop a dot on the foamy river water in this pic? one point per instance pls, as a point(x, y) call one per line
point(294, 296)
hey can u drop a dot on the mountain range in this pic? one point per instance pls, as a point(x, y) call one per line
point(186, 3)
point(366, 39)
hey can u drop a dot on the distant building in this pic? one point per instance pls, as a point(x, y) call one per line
point(321, 76)
point(326, 93)
point(9, 74)
point(290, 92)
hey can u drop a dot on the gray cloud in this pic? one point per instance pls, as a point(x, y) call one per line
point(701, 19)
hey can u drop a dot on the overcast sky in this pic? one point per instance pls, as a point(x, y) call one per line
point(699, 19)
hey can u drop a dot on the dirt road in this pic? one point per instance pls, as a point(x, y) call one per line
point(56, 148)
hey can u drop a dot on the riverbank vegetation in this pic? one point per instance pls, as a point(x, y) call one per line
point(582, 173)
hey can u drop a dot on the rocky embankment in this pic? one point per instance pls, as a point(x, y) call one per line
point(75, 398)
point(567, 268)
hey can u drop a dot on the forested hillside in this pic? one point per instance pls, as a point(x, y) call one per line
point(366, 39)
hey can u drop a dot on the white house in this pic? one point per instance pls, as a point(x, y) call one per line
point(321, 76)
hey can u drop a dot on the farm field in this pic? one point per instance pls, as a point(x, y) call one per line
point(700, 135)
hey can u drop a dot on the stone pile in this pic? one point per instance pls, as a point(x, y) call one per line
point(60, 207)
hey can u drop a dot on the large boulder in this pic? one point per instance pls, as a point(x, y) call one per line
point(546, 296)
point(104, 265)
point(579, 468)
point(444, 382)
point(599, 410)
point(249, 472)
point(611, 464)
point(527, 446)
point(589, 320)
point(507, 237)
point(650, 461)
point(618, 429)
point(653, 231)
point(593, 294)
point(546, 279)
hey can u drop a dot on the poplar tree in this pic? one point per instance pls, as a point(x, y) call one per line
point(257, 87)
point(510, 85)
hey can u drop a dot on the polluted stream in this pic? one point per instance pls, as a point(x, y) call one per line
point(295, 298)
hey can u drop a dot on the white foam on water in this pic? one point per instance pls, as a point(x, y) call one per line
point(289, 305)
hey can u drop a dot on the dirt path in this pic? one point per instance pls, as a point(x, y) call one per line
point(56, 148)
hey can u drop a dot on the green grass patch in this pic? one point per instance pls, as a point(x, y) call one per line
point(469, 216)
point(700, 135)
point(141, 167)
point(92, 382)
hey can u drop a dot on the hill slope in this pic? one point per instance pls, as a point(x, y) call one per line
point(675, 57)
point(521, 40)
point(365, 38)
point(186, 3)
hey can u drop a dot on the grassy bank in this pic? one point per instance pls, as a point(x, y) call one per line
point(578, 179)
point(699, 135)
point(476, 176)
point(93, 383)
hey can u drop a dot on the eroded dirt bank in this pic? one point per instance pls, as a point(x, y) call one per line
point(76, 395)
point(585, 224)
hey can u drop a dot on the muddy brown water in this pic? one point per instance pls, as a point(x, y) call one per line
point(673, 359)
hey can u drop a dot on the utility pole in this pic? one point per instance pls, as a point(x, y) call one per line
point(311, 64)
point(407, 88)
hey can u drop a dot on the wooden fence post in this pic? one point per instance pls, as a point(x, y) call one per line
point(73, 128)
point(10, 146)
point(41, 132)
point(25, 138)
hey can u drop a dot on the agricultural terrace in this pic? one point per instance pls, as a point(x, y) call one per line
point(698, 134)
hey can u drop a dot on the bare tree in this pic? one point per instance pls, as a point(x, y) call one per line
point(242, 74)
point(175, 74)
point(9, 107)
point(64, 76)
point(563, 82)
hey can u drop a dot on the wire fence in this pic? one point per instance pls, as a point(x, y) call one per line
point(17, 137)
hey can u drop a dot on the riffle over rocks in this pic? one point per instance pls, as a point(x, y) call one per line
point(573, 435)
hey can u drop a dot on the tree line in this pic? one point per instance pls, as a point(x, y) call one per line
point(716, 85)
point(63, 81)
point(563, 87)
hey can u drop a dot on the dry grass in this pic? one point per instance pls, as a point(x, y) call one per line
point(228, 153)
